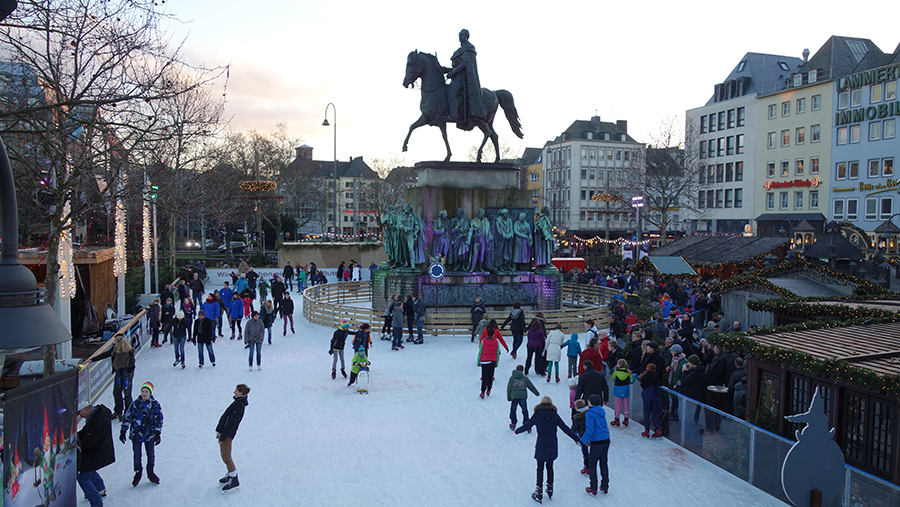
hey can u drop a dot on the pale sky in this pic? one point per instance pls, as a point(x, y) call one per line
point(643, 62)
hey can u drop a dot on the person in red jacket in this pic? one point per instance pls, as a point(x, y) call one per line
point(592, 353)
point(489, 354)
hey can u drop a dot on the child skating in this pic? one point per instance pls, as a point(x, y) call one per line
point(145, 419)
point(360, 371)
point(517, 393)
point(622, 380)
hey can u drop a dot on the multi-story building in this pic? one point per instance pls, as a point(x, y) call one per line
point(721, 137)
point(864, 187)
point(794, 138)
point(592, 158)
point(533, 161)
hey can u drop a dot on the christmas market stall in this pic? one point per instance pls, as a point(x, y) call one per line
point(724, 256)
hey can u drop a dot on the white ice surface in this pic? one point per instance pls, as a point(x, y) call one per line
point(422, 437)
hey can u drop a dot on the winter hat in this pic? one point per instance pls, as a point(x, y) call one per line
point(694, 360)
point(345, 325)
point(148, 385)
point(594, 400)
point(573, 382)
point(653, 345)
point(651, 367)
point(179, 315)
point(83, 405)
point(677, 349)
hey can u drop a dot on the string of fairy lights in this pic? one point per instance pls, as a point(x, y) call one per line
point(146, 240)
point(119, 265)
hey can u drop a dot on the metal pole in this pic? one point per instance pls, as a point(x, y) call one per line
point(143, 239)
point(155, 253)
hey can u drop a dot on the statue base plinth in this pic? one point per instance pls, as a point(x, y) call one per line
point(499, 176)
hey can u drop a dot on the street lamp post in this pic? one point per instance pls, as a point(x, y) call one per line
point(637, 202)
point(791, 226)
point(334, 170)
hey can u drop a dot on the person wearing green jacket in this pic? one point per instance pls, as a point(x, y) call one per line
point(359, 362)
point(516, 393)
point(622, 380)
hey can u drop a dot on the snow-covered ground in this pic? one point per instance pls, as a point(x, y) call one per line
point(422, 437)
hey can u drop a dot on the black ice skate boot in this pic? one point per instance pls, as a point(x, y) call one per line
point(152, 476)
point(343, 373)
point(333, 374)
point(550, 491)
point(538, 495)
point(232, 485)
point(137, 477)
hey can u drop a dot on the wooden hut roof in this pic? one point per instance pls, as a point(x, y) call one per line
point(713, 250)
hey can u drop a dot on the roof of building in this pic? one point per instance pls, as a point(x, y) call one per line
point(712, 250)
point(767, 73)
point(841, 56)
point(532, 156)
point(581, 129)
point(775, 217)
point(873, 347)
point(808, 287)
point(833, 245)
point(672, 266)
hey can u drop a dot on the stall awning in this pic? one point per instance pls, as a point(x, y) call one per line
point(671, 265)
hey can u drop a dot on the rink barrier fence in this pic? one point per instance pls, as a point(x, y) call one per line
point(749, 452)
point(330, 304)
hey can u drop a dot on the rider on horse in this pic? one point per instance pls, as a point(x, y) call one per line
point(464, 81)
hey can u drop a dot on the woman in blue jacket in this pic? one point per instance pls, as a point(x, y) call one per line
point(596, 437)
point(546, 447)
point(235, 314)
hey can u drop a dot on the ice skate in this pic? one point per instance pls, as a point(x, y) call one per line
point(656, 434)
point(232, 485)
point(625, 422)
point(614, 422)
point(152, 477)
point(538, 495)
point(333, 374)
point(550, 491)
point(343, 373)
point(136, 479)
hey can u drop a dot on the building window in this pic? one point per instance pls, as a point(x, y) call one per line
point(584, 195)
point(720, 146)
point(842, 135)
point(703, 124)
point(601, 174)
point(854, 134)
point(584, 152)
point(887, 167)
point(721, 120)
point(798, 200)
point(785, 168)
point(783, 197)
point(730, 145)
point(739, 139)
point(770, 200)
point(801, 105)
point(773, 111)
point(592, 174)
point(770, 169)
point(854, 426)
point(874, 168)
point(718, 198)
point(711, 175)
point(887, 207)
point(844, 100)
point(731, 118)
point(856, 97)
point(875, 95)
point(728, 197)
point(798, 167)
point(710, 199)
point(785, 137)
point(770, 138)
point(838, 209)
point(889, 129)
point(815, 132)
point(813, 165)
point(582, 215)
point(618, 154)
point(872, 208)
point(711, 151)
point(814, 199)
point(786, 108)
point(738, 197)
point(702, 174)
point(738, 171)
point(720, 173)
point(875, 131)
point(852, 209)
point(535, 177)
point(841, 171)
point(881, 447)
point(712, 122)
point(853, 170)
point(801, 135)
point(701, 198)
point(627, 154)
point(816, 102)
point(890, 90)
point(740, 117)
point(729, 172)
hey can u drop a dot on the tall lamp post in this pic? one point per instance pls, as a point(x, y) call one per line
point(334, 170)
point(637, 202)
point(791, 226)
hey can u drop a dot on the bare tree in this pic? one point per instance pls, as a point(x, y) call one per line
point(669, 179)
point(394, 178)
point(101, 65)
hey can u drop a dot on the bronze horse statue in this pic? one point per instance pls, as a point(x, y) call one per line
point(435, 108)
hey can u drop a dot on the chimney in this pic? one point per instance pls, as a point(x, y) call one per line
point(595, 123)
point(805, 55)
point(622, 124)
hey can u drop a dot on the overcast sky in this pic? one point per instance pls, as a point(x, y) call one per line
point(644, 62)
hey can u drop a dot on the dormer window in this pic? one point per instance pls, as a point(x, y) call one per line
point(606, 136)
point(783, 66)
point(588, 135)
point(741, 65)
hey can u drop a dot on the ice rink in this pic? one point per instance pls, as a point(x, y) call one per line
point(421, 437)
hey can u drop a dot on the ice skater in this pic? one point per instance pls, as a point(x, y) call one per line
point(226, 429)
point(145, 418)
point(622, 380)
point(488, 355)
point(360, 363)
point(254, 333)
point(517, 394)
point(546, 448)
point(596, 437)
point(336, 348)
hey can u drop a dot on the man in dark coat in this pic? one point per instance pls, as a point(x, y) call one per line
point(203, 334)
point(288, 275)
point(226, 430)
point(694, 383)
point(464, 83)
point(592, 382)
point(95, 451)
point(477, 310)
point(718, 368)
point(653, 356)
point(278, 291)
